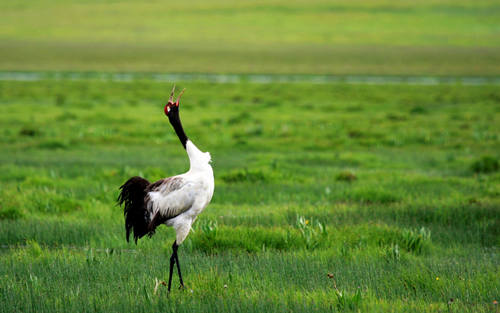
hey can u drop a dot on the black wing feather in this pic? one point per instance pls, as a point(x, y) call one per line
point(132, 196)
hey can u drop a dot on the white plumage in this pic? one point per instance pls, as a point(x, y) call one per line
point(194, 193)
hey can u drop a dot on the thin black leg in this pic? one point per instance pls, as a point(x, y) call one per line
point(172, 261)
point(178, 268)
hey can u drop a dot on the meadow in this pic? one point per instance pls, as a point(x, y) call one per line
point(342, 197)
point(331, 196)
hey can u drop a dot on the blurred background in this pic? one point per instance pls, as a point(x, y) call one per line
point(432, 37)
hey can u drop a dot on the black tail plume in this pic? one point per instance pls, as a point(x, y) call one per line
point(132, 198)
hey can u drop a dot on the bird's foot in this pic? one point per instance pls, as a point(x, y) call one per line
point(182, 287)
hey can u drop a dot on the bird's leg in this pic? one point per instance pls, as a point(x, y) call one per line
point(172, 261)
point(175, 246)
point(174, 258)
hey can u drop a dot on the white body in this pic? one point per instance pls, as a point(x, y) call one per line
point(193, 195)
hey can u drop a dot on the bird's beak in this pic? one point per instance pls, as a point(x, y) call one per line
point(171, 99)
point(179, 97)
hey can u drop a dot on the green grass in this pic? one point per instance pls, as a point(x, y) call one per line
point(433, 37)
point(393, 190)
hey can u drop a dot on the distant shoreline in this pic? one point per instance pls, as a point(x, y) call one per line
point(249, 78)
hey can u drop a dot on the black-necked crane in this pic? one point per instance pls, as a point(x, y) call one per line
point(174, 201)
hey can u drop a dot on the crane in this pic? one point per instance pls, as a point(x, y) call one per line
point(174, 201)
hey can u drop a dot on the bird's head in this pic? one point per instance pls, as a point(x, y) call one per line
point(172, 108)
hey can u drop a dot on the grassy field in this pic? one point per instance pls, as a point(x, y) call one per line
point(328, 198)
point(432, 37)
point(333, 197)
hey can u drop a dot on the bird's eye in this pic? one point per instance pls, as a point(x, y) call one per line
point(166, 109)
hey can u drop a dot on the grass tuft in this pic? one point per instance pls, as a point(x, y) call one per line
point(10, 213)
point(246, 175)
point(29, 132)
point(418, 110)
point(53, 144)
point(346, 176)
point(373, 195)
point(416, 241)
point(345, 301)
point(485, 165)
point(312, 232)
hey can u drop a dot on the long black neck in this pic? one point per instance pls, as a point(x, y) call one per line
point(175, 120)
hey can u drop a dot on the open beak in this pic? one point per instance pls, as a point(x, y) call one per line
point(171, 98)
point(171, 102)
